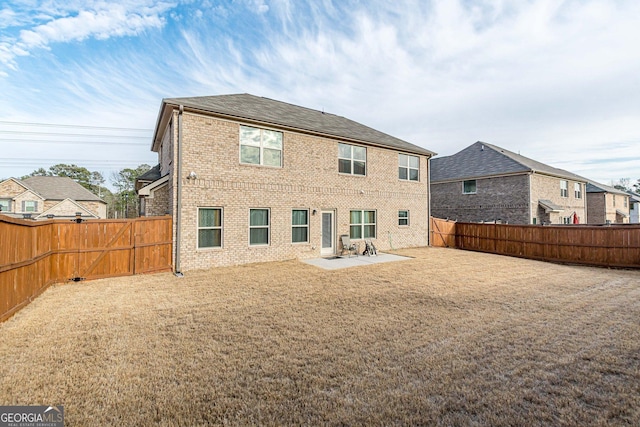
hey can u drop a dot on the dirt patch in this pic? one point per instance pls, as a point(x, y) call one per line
point(446, 338)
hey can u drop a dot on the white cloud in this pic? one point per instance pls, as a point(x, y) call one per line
point(100, 20)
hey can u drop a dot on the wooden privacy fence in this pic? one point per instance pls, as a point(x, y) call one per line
point(443, 233)
point(35, 254)
point(607, 246)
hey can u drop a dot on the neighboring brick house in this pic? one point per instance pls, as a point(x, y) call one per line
point(607, 205)
point(485, 183)
point(44, 197)
point(251, 179)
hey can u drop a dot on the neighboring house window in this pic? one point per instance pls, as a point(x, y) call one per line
point(5, 205)
point(258, 227)
point(403, 217)
point(260, 146)
point(564, 189)
point(352, 159)
point(209, 228)
point(29, 206)
point(469, 187)
point(614, 200)
point(625, 202)
point(299, 226)
point(363, 225)
point(408, 167)
point(577, 189)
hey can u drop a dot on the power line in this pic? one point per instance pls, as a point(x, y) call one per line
point(4, 122)
point(14, 132)
point(54, 141)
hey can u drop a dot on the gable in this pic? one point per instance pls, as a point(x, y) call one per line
point(9, 188)
point(67, 208)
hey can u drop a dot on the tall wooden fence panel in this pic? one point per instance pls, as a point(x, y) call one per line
point(608, 246)
point(443, 233)
point(35, 254)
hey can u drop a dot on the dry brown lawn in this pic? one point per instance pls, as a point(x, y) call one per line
point(446, 338)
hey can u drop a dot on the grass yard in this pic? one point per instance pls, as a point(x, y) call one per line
point(446, 338)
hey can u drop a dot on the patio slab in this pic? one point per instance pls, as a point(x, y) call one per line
point(335, 263)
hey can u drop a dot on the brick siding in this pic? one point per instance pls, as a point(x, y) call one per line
point(309, 179)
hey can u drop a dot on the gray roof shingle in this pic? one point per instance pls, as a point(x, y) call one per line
point(277, 113)
point(595, 187)
point(482, 159)
point(59, 188)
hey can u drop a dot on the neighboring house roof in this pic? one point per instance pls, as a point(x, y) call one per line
point(594, 187)
point(483, 159)
point(150, 188)
point(151, 175)
point(59, 188)
point(633, 197)
point(267, 111)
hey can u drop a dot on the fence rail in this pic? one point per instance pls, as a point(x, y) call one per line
point(35, 254)
point(607, 246)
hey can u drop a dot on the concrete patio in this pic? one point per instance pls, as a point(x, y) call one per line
point(335, 263)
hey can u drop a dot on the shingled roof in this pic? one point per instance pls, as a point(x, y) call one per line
point(281, 114)
point(482, 159)
point(595, 187)
point(59, 188)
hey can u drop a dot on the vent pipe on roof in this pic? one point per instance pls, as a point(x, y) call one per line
point(482, 147)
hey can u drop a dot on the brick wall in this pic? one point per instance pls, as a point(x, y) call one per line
point(504, 198)
point(158, 203)
point(544, 187)
point(309, 179)
point(602, 208)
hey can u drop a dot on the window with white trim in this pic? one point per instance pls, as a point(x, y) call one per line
point(469, 187)
point(564, 189)
point(362, 225)
point(209, 228)
point(352, 159)
point(408, 167)
point(260, 146)
point(577, 190)
point(29, 206)
point(5, 205)
point(403, 217)
point(300, 226)
point(259, 228)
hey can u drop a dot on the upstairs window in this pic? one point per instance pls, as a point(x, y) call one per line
point(408, 167)
point(352, 159)
point(5, 205)
point(614, 200)
point(577, 189)
point(625, 202)
point(469, 187)
point(564, 189)
point(260, 147)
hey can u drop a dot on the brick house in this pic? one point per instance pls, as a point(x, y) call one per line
point(251, 179)
point(485, 183)
point(44, 197)
point(607, 205)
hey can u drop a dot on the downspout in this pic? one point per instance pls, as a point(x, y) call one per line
point(429, 201)
point(531, 205)
point(177, 272)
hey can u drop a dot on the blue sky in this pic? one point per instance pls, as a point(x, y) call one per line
point(557, 81)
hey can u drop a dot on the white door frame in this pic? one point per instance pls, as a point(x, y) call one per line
point(324, 251)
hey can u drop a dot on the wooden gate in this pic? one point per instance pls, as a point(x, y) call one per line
point(36, 254)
